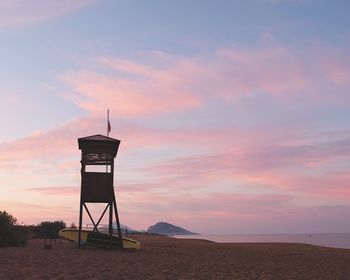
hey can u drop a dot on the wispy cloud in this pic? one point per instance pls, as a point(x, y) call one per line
point(174, 84)
point(256, 160)
point(22, 12)
point(55, 190)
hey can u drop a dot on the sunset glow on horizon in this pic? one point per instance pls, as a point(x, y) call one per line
point(233, 116)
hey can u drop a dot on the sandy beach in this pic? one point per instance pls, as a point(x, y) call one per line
point(169, 258)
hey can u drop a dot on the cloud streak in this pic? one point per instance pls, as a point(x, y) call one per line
point(158, 83)
point(258, 160)
point(66, 191)
point(20, 13)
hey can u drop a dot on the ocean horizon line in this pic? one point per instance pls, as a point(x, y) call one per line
point(333, 240)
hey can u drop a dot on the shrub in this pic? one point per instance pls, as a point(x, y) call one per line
point(48, 229)
point(10, 233)
point(73, 225)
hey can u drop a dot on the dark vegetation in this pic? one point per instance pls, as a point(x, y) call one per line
point(12, 234)
point(48, 229)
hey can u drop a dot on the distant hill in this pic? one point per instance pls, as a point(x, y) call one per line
point(168, 229)
point(125, 229)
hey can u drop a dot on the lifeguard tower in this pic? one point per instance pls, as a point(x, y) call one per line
point(97, 174)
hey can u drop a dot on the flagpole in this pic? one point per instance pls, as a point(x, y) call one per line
point(107, 123)
point(108, 128)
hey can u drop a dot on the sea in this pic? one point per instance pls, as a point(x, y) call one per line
point(334, 240)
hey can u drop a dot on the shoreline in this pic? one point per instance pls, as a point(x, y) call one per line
point(332, 240)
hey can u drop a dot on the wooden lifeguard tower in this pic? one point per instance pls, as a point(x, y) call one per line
point(97, 174)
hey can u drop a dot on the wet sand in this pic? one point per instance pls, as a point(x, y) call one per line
point(170, 258)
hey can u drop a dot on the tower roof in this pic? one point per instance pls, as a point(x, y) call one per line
point(98, 149)
point(97, 137)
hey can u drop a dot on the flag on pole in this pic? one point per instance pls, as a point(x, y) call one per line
point(109, 127)
point(108, 124)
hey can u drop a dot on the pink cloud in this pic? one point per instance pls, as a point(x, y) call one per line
point(18, 12)
point(226, 212)
point(275, 71)
point(176, 84)
point(65, 191)
point(157, 83)
point(60, 141)
point(332, 65)
point(158, 95)
point(328, 185)
point(258, 159)
point(186, 208)
point(340, 74)
point(232, 212)
point(34, 213)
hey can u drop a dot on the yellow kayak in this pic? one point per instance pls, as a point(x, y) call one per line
point(73, 235)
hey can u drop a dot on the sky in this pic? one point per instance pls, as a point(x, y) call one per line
point(233, 116)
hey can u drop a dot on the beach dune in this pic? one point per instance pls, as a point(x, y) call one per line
point(170, 258)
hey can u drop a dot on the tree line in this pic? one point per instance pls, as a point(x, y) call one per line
point(13, 234)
